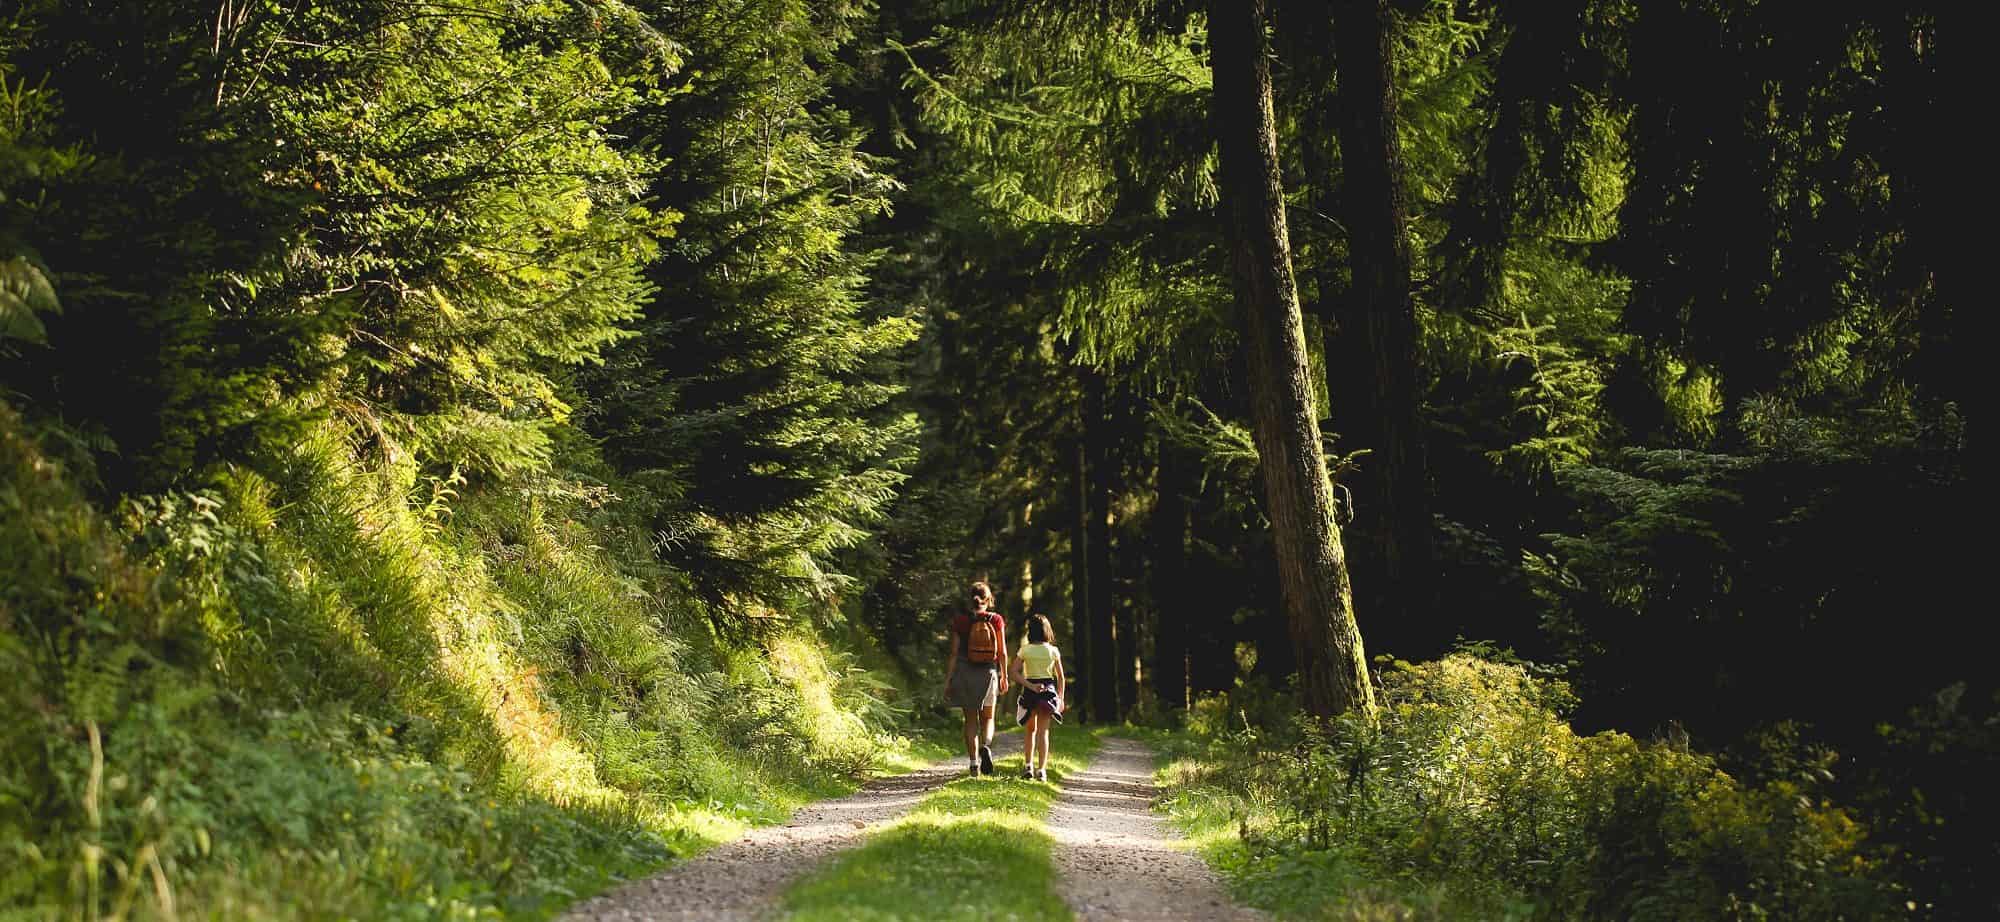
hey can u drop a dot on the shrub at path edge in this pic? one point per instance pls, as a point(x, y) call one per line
point(1472, 797)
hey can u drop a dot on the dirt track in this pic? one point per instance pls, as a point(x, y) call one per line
point(1117, 857)
point(742, 880)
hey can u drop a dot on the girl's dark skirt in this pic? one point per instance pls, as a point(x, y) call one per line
point(1038, 695)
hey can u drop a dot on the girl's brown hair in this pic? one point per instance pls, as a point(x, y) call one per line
point(1039, 629)
point(983, 592)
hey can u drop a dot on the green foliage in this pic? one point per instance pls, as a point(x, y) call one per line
point(24, 292)
point(351, 705)
point(427, 211)
point(326, 275)
point(1689, 577)
point(473, 219)
point(83, 628)
point(1471, 795)
point(27, 160)
point(1775, 207)
point(754, 405)
point(1093, 143)
point(1922, 782)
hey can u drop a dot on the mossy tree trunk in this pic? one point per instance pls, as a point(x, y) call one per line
point(1333, 675)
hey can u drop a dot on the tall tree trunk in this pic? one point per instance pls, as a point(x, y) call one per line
point(1375, 344)
point(1127, 630)
point(1102, 676)
point(1333, 673)
point(1127, 562)
point(1031, 537)
point(1211, 652)
point(1079, 555)
point(1174, 483)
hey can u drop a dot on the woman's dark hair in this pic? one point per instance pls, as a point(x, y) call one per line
point(1039, 630)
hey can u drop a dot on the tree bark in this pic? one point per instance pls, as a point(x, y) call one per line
point(1102, 677)
point(1333, 675)
point(1174, 482)
point(1031, 537)
point(1127, 564)
point(1211, 652)
point(1079, 559)
point(1375, 340)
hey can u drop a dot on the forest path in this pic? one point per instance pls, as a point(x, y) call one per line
point(742, 880)
point(1117, 858)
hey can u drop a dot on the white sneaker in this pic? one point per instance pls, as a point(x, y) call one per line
point(1041, 774)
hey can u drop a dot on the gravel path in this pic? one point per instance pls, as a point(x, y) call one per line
point(742, 880)
point(1117, 858)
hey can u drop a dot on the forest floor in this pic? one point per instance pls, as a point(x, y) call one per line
point(935, 844)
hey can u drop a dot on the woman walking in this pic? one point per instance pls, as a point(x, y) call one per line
point(975, 675)
point(1040, 671)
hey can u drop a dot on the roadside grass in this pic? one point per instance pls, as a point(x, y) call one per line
point(919, 750)
point(1226, 826)
point(976, 848)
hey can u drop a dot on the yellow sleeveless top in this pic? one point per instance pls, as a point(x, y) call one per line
point(1038, 660)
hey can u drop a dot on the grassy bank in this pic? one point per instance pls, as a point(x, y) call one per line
point(1230, 826)
point(975, 849)
point(336, 687)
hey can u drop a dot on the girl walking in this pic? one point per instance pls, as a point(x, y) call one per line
point(975, 675)
point(1039, 669)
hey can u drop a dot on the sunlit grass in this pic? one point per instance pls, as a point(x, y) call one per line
point(913, 753)
point(1221, 823)
point(975, 849)
point(384, 710)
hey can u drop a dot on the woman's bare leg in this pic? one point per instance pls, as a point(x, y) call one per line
point(1042, 730)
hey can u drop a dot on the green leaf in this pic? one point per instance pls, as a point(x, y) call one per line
point(24, 292)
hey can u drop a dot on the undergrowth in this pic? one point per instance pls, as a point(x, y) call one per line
point(340, 687)
point(1471, 797)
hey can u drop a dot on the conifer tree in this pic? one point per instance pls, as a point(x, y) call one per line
point(755, 403)
point(415, 221)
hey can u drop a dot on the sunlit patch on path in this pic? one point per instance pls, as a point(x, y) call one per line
point(1118, 860)
point(741, 880)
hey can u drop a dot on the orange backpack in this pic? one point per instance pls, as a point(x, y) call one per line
point(982, 640)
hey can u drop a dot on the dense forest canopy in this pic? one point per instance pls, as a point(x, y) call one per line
point(556, 397)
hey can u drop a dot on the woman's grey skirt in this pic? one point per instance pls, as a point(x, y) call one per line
point(974, 686)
